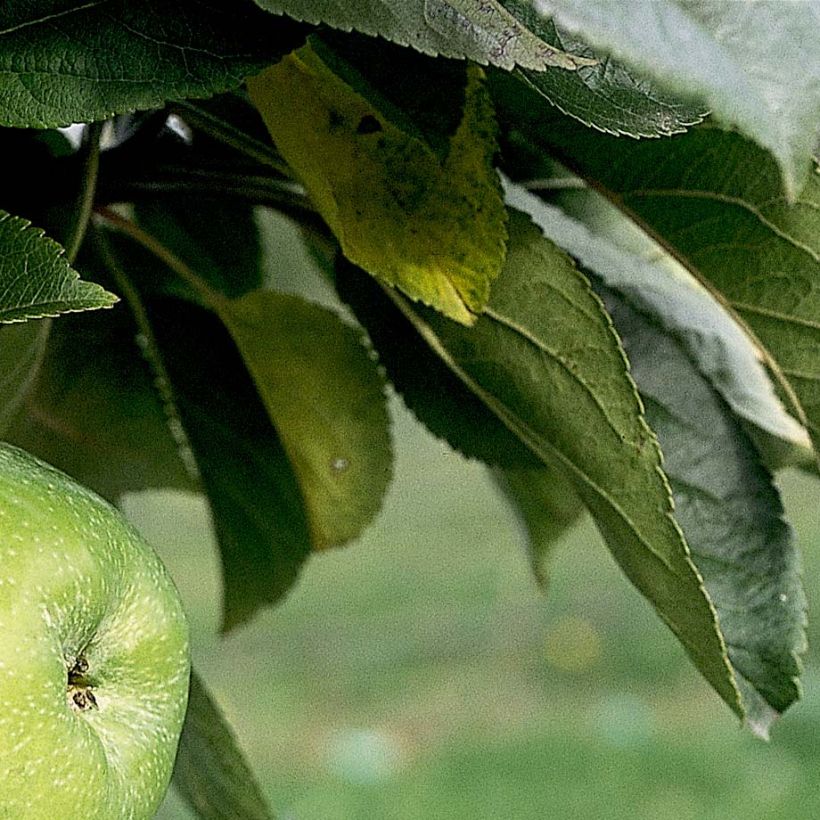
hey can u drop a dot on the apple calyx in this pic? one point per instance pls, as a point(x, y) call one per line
point(79, 688)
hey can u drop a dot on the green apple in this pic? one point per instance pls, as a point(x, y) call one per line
point(94, 654)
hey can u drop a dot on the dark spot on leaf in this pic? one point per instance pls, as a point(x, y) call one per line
point(368, 124)
point(334, 120)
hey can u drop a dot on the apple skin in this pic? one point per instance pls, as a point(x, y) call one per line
point(94, 654)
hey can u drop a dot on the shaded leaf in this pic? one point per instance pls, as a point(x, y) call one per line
point(429, 224)
point(545, 360)
point(36, 280)
point(547, 507)
point(731, 515)
point(651, 280)
point(322, 392)
point(74, 61)
point(429, 388)
point(94, 412)
point(756, 65)
point(254, 496)
point(219, 238)
point(22, 347)
point(211, 772)
point(485, 33)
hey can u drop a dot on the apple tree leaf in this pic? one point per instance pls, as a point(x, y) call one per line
point(257, 507)
point(547, 507)
point(756, 65)
point(315, 378)
point(22, 347)
point(714, 199)
point(428, 221)
point(486, 32)
point(428, 387)
point(544, 358)
point(232, 267)
point(67, 61)
point(36, 280)
point(604, 94)
point(211, 772)
point(451, 411)
point(648, 278)
point(94, 412)
point(731, 514)
point(326, 399)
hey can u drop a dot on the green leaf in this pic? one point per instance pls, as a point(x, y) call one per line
point(754, 64)
point(486, 33)
point(36, 280)
point(605, 94)
point(547, 507)
point(433, 226)
point(653, 282)
point(22, 347)
point(510, 34)
point(94, 412)
point(322, 392)
point(211, 772)
point(429, 388)
point(258, 511)
point(451, 411)
point(731, 515)
point(326, 400)
point(714, 199)
point(67, 61)
point(220, 239)
point(544, 358)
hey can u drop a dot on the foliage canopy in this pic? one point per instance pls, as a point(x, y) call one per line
point(580, 239)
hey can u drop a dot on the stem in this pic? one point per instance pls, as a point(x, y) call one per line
point(255, 189)
point(85, 200)
point(147, 343)
point(555, 184)
point(164, 254)
point(229, 134)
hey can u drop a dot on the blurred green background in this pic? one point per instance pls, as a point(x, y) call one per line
point(420, 673)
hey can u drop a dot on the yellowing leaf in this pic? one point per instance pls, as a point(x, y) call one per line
point(431, 223)
point(326, 400)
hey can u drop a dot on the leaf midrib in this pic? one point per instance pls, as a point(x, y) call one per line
point(49, 17)
point(542, 448)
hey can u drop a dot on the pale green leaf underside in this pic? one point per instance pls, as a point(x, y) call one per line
point(36, 281)
point(757, 65)
point(730, 513)
point(326, 400)
point(433, 227)
point(211, 772)
point(486, 33)
point(605, 95)
point(653, 282)
point(544, 359)
point(715, 199)
point(67, 61)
